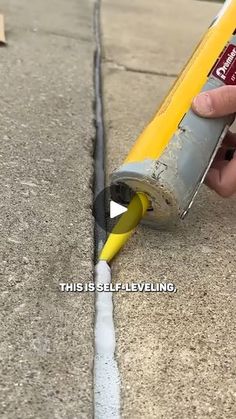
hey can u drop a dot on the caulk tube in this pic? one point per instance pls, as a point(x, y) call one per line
point(171, 157)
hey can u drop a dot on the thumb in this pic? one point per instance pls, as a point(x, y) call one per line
point(216, 103)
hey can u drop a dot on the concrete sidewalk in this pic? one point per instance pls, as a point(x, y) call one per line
point(46, 227)
point(176, 354)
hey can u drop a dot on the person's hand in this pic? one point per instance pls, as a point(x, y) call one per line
point(212, 104)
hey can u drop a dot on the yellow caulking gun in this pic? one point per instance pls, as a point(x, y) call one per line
point(171, 157)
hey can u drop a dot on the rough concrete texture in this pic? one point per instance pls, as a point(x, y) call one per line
point(46, 169)
point(176, 353)
point(161, 35)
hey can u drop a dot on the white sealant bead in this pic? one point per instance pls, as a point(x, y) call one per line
point(104, 328)
point(102, 272)
point(107, 383)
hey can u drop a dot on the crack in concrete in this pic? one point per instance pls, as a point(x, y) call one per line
point(123, 67)
point(99, 148)
point(106, 374)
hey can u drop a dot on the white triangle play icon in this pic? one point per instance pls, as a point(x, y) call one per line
point(116, 209)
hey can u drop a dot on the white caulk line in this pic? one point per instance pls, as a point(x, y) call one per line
point(106, 375)
point(107, 382)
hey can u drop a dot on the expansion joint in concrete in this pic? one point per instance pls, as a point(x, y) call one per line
point(106, 374)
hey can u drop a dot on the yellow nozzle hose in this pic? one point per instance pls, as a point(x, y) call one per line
point(125, 226)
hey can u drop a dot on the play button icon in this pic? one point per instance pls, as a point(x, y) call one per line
point(107, 211)
point(116, 209)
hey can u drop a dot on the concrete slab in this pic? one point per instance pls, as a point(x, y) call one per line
point(175, 352)
point(46, 170)
point(57, 17)
point(154, 35)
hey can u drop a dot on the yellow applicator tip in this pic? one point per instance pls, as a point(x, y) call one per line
point(125, 226)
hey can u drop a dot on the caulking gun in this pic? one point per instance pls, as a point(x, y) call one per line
point(170, 159)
